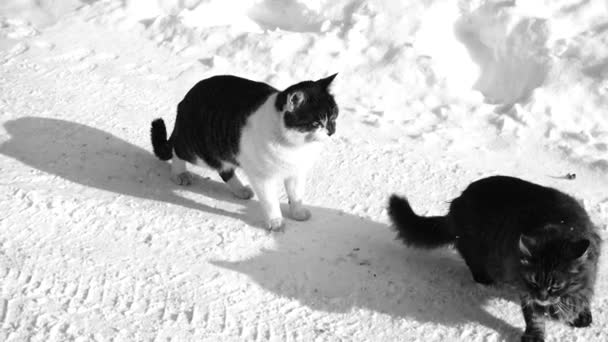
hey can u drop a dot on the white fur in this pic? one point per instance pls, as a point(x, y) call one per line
point(272, 155)
point(178, 171)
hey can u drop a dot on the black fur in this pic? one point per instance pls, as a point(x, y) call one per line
point(162, 147)
point(213, 113)
point(511, 231)
point(431, 232)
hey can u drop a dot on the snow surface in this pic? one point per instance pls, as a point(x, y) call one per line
point(96, 243)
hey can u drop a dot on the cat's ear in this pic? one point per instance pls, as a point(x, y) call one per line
point(294, 100)
point(578, 249)
point(326, 82)
point(525, 245)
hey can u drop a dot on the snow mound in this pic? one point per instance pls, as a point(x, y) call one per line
point(40, 13)
point(509, 49)
point(286, 15)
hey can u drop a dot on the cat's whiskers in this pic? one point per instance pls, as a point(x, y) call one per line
point(547, 302)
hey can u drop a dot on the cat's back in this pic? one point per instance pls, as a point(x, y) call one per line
point(226, 94)
point(517, 201)
point(500, 191)
point(504, 189)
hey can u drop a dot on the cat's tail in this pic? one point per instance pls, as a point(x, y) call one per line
point(162, 147)
point(418, 231)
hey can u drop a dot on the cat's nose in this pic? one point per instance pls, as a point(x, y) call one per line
point(330, 131)
point(543, 295)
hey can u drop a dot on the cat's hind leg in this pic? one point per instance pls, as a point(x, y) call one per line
point(235, 185)
point(179, 174)
point(474, 258)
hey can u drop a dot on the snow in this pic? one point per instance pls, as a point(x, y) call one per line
point(96, 243)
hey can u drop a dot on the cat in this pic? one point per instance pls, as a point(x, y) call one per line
point(536, 239)
point(274, 136)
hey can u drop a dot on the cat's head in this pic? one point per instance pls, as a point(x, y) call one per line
point(309, 111)
point(552, 266)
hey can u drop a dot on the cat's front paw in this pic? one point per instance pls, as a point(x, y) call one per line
point(243, 193)
point(299, 213)
point(184, 178)
point(583, 320)
point(532, 338)
point(276, 224)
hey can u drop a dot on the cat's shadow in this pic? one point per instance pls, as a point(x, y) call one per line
point(339, 262)
point(335, 262)
point(95, 158)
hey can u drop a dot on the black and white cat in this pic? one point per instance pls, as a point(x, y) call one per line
point(274, 136)
point(509, 231)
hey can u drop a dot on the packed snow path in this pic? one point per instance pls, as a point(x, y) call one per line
point(97, 244)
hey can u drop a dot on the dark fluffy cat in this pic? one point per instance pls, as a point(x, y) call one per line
point(227, 122)
point(514, 232)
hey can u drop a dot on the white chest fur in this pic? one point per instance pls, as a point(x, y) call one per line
point(267, 149)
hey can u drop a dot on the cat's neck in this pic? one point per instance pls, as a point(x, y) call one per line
point(268, 122)
point(265, 149)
